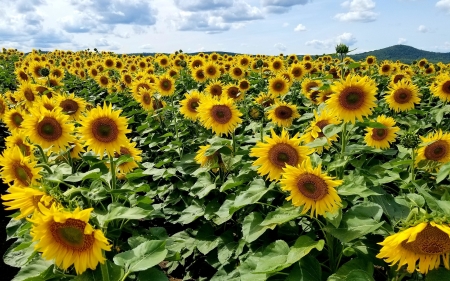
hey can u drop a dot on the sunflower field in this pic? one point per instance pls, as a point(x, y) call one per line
point(224, 167)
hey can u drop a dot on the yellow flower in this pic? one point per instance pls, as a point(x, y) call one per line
point(204, 160)
point(214, 88)
point(402, 95)
point(19, 139)
point(310, 188)
point(27, 93)
point(441, 87)
point(353, 98)
point(236, 72)
point(68, 238)
point(382, 137)
point(314, 130)
point(276, 152)
point(130, 150)
point(278, 86)
point(103, 129)
point(434, 147)
point(190, 104)
point(18, 168)
point(72, 105)
point(232, 91)
point(3, 107)
point(220, 115)
point(165, 85)
point(25, 199)
point(426, 243)
point(283, 114)
point(211, 70)
point(13, 119)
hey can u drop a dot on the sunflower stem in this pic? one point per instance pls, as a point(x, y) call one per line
point(104, 270)
point(44, 157)
point(343, 145)
point(234, 142)
point(413, 156)
point(113, 172)
point(46, 167)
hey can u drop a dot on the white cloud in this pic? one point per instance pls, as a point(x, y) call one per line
point(300, 27)
point(104, 43)
point(402, 40)
point(281, 47)
point(359, 10)
point(444, 5)
point(285, 24)
point(345, 38)
point(422, 28)
point(201, 5)
point(281, 6)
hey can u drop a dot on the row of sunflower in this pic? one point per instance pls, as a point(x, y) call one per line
point(116, 161)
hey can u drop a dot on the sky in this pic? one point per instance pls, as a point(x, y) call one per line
point(266, 27)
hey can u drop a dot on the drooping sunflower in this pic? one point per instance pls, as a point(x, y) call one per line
point(283, 114)
point(402, 95)
point(265, 99)
point(382, 137)
point(278, 86)
point(190, 104)
point(71, 105)
point(426, 243)
point(310, 188)
point(220, 115)
point(276, 152)
point(13, 119)
point(441, 87)
point(49, 128)
point(25, 199)
point(18, 168)
point(19, 139)
point(214, 88)
point(68, 238)
point(165, 85)
point(353, 98)
point(315, 129)
point(104, 129)
point(130, 150)
point(434, 147)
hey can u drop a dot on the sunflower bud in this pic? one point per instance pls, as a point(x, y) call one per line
point(183, 63)
point(44, 72)
point(342, 49)
point(259, 63)
point(410, 140)
point(255, 112)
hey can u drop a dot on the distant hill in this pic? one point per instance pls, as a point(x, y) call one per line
point(405, 54)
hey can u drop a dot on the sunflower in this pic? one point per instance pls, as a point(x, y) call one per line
point(108, 62)
point(441, 87)
point(382, 137)
point(278, 86)
point(142, 83)
point(27, 93)
point(163, 61)
point(198, 74)
point(265, 99)
point(103, 80)
point(18, 168)
point(315, 129)
point(244, 61)
point(126, 79)
point(144, 97)
point(427, 242)
point(68, 238)
point(49, 128)
point(310, 188)
point(232, 91)
point(13, 119)
point(22, 75)
point(237, 72)
point(76, 148)
point(211, 70)
point(402, 95)
point(385, 68)
point(3, 107)
point(130, 150)
point(71, 105)
point(103, 129)
point(205, 160)
point(244, 85)
point(371, 60)
point(276, 152)
point(214, 88)
point(352, 98)
point(276, 65)
point(283, 114)
point(19, 139)
point(25, 199)
point(221, 115)
point(165, 85)
point(399, 76)
point(195, 62)
point(434, 147)
point(310, 89)
point(188, 106)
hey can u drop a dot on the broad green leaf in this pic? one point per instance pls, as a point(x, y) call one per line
point(416, 199)
point(33, 269)
point(443, 173)
point(206, 240)
point(331, 130)
point(193, 212)
point(283, 214)
point(251, 228)
point(354, 275)
point(439, 274)
point(302, 247)
point(153, 274)
point(256, 190)
point(319, 142)
point(144, 256)
point(116, 211)
point(391, 207)
point(108, 271)
point(19, 253)
point(77, 177)
point(203, 186)
point(355, 185)
point(230, 183)
point(307, 269)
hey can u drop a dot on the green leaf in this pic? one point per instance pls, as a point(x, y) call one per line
point(331, 130)
point(203, 186)
point(318, 142)
point(416, 199)
point(153, 274)
point(251, 228)
point(77, 177)
point(144, 256)
point(193, 212)
point(358, 221)
point(443, 173)
point(206, 240)
point(19, 253)
point(302, 247)
point(438, 274)
point(108, 271)
point(391, 207)
point(116, 211)
point(33, 269)
point(307, 269)
point(283, 214)
point(256, 190)
point(354, 275)
point(355, 185)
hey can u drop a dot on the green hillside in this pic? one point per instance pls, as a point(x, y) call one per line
point(405, 54)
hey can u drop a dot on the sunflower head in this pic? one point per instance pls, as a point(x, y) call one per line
point(283, 114)
point(435, 147)
point(278, 86)
point(402, 95)
point(190, 104)
point(221, 115)
point(382, 137)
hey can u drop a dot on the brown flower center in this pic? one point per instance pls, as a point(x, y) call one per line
point(69, 106)
point(233, 92)
point(385, 68)
point(199, 74)
point(321, 124)
point(379, 134)
point(352, 98)
point(279, 85)
point(312, 186)
point(49, 129)
point(104, 80)
point(146, 98)
point(398, 77)
point(283, 112)
point(281, 154)
point(311, 85)
point(276, 65)
point(17, 119)
point(244, 85)
point(430, 241)
point(211, 70)
point(237, 71)
point(22, 173)
point(193, 104)
point(164, 62)
point(369, 60)
point(127, 78)
point(166, 84)
point(402, 96)
point(296, 72)
point(109, 63)
point(446, 87)
point(105, 129)
point(437, 150)
point(216, 90)
point(23, 76)
point(221, 114)
point(70, 234)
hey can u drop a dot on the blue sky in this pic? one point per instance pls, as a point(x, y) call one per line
point(243, 26)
